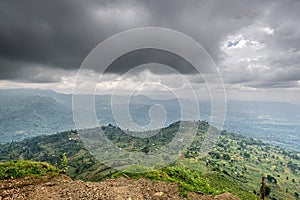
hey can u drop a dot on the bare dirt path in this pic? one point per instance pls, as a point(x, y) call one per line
point(63, 188)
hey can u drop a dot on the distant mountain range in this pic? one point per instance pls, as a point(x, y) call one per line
point(30, 112)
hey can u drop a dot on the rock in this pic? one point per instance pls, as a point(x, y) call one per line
point(159, 194)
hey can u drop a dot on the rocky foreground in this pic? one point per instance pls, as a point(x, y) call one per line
point(62, 187)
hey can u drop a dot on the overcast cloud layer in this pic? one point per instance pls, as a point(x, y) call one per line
point(256, 44)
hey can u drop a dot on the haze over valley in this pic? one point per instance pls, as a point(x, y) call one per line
point(32, 112)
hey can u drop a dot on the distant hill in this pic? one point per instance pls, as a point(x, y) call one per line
point(28, 116)
point(234, 165)
point(30, 112)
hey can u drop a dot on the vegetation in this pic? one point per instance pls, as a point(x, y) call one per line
point(190, 180)
point(32, 112)
point(64, 162)
point(51, 148)
point(236, 164)
point(28, 116)
point(26, 168)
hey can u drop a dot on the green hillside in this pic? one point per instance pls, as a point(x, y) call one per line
point(27, 116)
point(236, 164)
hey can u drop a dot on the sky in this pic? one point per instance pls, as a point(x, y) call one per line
point(254, 44)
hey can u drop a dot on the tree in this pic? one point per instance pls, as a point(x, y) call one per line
point(247, 155)
point(226, 157)
point(64, 163)
point(146, 149)
point(271, 179)
point(267, 191)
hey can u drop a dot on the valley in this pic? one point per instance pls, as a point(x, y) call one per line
point(27, 113)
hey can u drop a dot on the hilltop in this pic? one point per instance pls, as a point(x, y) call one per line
point(25, 179)
point(62, 187)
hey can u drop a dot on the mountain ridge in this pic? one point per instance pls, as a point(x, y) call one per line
point(275, 123)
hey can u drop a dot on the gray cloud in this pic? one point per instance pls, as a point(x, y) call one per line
point(39, 39)
point(270, 84)
point(57, 34)
point(61, 33)
point(266, 53)
point(138, 57)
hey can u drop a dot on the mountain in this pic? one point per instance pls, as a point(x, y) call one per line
point(23, 114)
point(30, 112)
point(234, 165)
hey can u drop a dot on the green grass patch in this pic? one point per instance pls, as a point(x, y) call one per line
point(26, 168)
point(221, 182)
point(187, 180)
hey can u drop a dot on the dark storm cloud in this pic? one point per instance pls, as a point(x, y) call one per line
point(39, 37)
point(43, 32)
point(60, 33)
point(208, 22)
point(138, 57)
point(56, 33)
point(29, 73)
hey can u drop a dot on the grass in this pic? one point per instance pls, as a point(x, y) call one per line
point(190, 180)
point(221, 182)
point(26, 168)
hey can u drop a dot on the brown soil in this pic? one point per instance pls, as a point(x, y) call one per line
point(62, 187)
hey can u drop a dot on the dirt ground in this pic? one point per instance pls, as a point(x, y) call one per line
point(62, 187)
